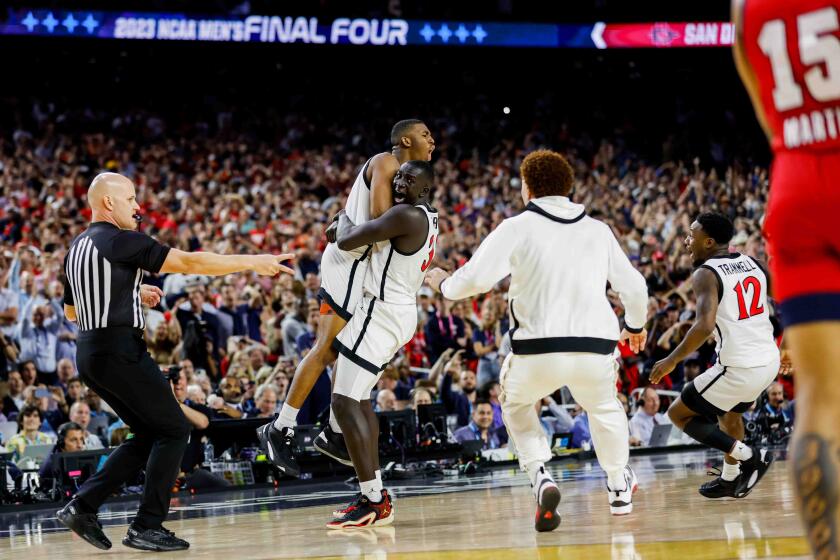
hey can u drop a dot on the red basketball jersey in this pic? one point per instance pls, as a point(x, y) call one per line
point(793, 47)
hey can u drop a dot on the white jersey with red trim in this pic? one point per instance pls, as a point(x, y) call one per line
point(396, 277)
point(743, 331)
point(358, 201)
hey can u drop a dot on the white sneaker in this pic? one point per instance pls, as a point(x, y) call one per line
point(621, 500)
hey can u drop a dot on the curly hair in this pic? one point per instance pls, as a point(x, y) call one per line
point(547, 173)
point(717, 226)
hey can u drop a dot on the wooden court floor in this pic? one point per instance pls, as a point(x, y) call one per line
point(489, 517)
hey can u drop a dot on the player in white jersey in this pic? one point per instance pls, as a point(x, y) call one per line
point(732, 304)
point(342, 274)
point(384, 321)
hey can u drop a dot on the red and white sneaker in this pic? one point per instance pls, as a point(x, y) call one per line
point(621, 500)
point(366, 514)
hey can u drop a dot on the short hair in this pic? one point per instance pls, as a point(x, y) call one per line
point(76, 379)
point(64, 430)
point(262, 389)
point(28, 410)
point(717, 226)
point(547, 173)
point(401, 129)
point(481, 401)
point(77, 405)
point(425, 168)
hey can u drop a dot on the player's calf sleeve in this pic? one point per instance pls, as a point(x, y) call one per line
point(706, 431)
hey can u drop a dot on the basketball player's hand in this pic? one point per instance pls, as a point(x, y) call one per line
point(269, 265)
point(786, 366)
point(332, 232)
point(637, 341)
point(435, 277)
point(661, 369)
point(150, 295)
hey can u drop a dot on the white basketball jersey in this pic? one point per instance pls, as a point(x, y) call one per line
point(396, 277)
point(358, 201)
point(743, 331)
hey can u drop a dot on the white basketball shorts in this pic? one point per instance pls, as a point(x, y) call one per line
point(721, 389)
point(370, 340)
point(342, 276)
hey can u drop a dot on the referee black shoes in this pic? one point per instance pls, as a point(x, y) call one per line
point(332, 445)
point(155, 540)
point(86, 525)
point(280, 447)
point(752, 470)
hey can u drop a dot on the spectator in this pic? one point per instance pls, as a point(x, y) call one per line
point(486, 340)
point(444, 329)
point(14, 401)
point(196, 394)
point(490, 393)
point(38, 337)
point(228, 401)
point(163, 340)
point(581, 436)
point(238, 312)
point(75, 391)
point(266, 402)
point(480, 427)
point(386, 401)
point(29, 374)
point(292, 325)
point(52, 404)
point(458, 402)
point(648, 416)
point(66, 371)
point(419, 397)
point(306, 340)
point(29, 421)
point(200, 330)
point(80, 414)
point(71, 438)
point(774, 409)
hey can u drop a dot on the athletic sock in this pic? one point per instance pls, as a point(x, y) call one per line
point(378, 474)
point(372, 489)
point(333, 422)
point(287, 417)
point(707, 432)
point(730, 472)
point(741, 451)
point(537, 473)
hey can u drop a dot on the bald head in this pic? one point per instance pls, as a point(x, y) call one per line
point(112, 199)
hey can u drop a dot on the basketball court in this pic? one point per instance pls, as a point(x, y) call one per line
point(487, 515)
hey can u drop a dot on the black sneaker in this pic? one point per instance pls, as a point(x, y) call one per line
point(280, 447)
point(548, 498)
point(86, 525)
point(752, 470)
point(332, 445)
point(719, 488)
point(156, 540)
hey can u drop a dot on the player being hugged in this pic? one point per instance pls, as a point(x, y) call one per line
point(732, 303)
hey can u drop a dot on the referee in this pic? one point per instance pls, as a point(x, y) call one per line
point(103, 294)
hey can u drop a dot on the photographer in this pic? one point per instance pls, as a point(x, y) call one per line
point(200, 331)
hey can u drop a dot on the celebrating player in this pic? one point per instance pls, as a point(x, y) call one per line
point(732, 303)
point(342, 275)
point(384, 321)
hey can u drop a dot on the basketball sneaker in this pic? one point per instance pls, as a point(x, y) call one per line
point(280, 447)
point(621, 499)
point(719, 488)
point(332, 445)
point(366, 514)
point(348, 508)
point(752, 470)
point(548, 498)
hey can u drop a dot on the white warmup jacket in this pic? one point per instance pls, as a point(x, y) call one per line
point(560, 261)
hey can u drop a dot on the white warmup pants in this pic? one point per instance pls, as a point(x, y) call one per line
point(591, 379)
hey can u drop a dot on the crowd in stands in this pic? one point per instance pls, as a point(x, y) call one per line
point(237, 339)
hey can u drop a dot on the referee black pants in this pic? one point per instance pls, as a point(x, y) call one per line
point(115, 363)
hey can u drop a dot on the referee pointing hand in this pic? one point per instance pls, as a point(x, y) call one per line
point(103, 294)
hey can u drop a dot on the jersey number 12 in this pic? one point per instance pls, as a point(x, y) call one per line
point(755, 307)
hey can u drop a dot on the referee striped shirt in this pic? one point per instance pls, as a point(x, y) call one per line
point(103, 270)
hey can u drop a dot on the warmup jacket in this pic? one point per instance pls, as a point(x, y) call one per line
point(560, 261)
